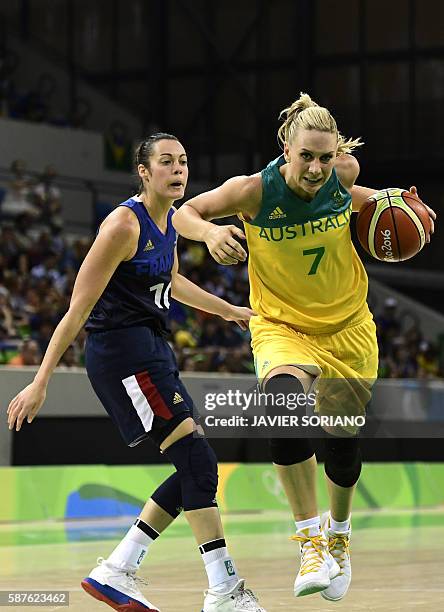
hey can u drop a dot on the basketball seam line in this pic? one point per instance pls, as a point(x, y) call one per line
point(413, 216)
point(394, 226)
point(419, 218)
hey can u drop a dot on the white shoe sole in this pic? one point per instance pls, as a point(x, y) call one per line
point(318, 585)
point(311, 587)
point(332, 598)
point(325, 596)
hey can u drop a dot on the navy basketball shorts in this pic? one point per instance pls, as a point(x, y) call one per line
point(134, 373)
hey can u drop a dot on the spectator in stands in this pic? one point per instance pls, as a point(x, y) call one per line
point(413, 336)
point(70, 358)
point(44, 244)
point(17, 200)
point(29, 355)
point(183, 338)
point(22, 226)
point(3, 268)
point(78, 253)
point(47, 198)
point(9, 248)
point(192, 256)
point(199, 362)
point(32, 302)
point(6, 314)
point(16, 286)
point(388, 324)
point(428, 365)
point(4, 337)
point(403, 364)
point(48, 269)
point(230, 339)
point(44, 332)
point(79, 343)
point(237, 360)
point(238, 293)
point(384, 367)
point(211, 335)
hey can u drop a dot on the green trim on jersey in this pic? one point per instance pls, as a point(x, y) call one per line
point(281, 207)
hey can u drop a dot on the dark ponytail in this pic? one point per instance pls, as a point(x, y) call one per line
point(144, 151)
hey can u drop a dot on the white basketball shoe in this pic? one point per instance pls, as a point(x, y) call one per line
point(339, 548)
point(117, 588)
point(318, 567)
point(239, 599)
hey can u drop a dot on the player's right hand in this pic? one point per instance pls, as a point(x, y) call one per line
point(25, 405)
point(223, 246)
point(432, 213)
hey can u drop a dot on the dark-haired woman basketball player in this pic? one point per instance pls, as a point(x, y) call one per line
point(122, 294)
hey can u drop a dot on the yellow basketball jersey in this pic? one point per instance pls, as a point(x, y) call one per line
point(303, 267)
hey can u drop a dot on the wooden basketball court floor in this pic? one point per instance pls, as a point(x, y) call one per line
point(398, 562)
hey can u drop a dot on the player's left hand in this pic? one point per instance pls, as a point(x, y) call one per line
point(25, 405)
point(431, 212)
point(240, 315)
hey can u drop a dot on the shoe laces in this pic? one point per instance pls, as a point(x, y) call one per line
point(247, 599)
point(339, 548)
point(312, 552)
point(130, 574)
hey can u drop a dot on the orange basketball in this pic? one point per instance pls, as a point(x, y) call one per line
point(393, 225)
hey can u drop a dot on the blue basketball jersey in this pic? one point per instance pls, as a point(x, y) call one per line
point(139, 290)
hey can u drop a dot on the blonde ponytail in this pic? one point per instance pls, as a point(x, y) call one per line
point(305, 113)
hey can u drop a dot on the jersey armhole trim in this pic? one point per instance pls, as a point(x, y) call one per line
point(139, 240)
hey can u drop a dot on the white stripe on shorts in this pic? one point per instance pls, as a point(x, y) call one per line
point(139, 401)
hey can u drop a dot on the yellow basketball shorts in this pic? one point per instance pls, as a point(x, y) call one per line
point(344, 363)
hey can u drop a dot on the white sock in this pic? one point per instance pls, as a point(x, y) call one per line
point(313, 525)
point(220, 567)
point(339, 525)
point(128, 555)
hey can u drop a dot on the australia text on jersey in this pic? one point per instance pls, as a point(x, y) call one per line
point(160, 264)
point(308, 228)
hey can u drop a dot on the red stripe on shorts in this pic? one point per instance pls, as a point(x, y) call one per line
point(155, 400)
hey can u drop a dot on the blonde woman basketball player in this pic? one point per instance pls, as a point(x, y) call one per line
point(309, 290)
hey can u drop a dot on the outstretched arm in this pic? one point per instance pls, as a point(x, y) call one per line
point(185, 291)
point(359, 196)
point(347, 169)
point(112, 245)
point(241, 194)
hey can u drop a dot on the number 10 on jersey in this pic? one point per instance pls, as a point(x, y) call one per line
point(161, 296)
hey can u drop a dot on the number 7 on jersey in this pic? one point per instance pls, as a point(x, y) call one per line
point(319, 253)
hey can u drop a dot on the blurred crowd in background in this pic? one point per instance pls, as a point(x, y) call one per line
point(31, 201)
point(39, 263)
point(403, 351)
